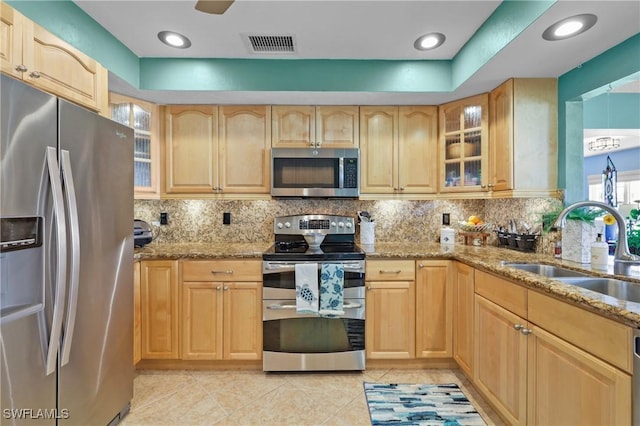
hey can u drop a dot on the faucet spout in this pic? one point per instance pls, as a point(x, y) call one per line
point(622, 254)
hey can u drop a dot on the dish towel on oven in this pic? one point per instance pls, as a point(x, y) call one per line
point(306, 288)
point(331, 290)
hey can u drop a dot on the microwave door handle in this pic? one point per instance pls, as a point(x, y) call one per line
point(341, 173)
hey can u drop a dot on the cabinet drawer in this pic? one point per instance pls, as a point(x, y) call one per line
point(390, 270)
point(505, 293)
point(222, 270)
point(602, 337)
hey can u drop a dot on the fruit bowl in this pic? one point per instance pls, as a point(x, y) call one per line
point(467, 227)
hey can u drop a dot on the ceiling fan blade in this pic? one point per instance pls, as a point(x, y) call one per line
point(216, 7)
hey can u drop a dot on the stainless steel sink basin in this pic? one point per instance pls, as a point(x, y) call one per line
point(619, 289)
point(545, 270)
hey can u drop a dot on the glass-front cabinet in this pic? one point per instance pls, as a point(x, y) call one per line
point(463, 144)
point(143, 118)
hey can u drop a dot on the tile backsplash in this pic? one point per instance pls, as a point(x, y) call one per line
point(396, 220)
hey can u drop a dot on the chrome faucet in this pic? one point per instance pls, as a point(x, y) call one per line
point(622, 254)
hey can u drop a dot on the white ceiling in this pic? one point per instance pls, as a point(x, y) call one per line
point(359, 29)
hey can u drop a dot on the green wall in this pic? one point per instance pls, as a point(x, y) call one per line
point(590, 79)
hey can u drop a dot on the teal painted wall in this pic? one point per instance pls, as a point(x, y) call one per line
point(73, 25)
point(612, 111)
point(588, 80)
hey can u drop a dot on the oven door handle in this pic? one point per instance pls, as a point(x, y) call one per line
point(275, 267)
point(278, 307)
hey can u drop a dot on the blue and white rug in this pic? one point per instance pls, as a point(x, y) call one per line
point(406, 404)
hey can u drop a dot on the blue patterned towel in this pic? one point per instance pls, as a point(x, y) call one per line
point(331, 290)
point(306, 288)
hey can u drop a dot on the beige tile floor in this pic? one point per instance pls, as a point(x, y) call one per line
point(191, 397)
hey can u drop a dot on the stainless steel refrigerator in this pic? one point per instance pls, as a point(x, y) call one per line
point(66, 261)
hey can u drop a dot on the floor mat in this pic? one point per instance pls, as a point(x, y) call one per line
point(419, 404)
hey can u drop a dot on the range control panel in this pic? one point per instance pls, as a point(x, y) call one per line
point(314, 224)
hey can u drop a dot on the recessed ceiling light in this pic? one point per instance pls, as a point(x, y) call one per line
point(429, 41)
point(569, 27)
point(174, 39)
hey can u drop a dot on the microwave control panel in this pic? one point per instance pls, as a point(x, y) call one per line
point(350, 173)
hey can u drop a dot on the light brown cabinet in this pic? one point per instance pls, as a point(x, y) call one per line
point(523, 116)
point(159, 300)
point(304, 126)
point(398, 145)
point(222, 310)
point(464, 142)
point(543, 361)
point(31, 53)
point(463, 317)
point(217, 150)
point(390, 309)
point(434, 309)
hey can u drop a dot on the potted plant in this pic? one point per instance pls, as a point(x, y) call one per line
point(633, 234)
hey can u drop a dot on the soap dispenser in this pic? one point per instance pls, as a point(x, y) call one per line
point(599, 254)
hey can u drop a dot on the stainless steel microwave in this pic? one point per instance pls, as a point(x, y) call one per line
point(311, 172)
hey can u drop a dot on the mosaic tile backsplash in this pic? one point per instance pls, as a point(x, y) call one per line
point(396, 220)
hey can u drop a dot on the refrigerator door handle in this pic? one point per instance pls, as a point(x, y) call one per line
point(74, 236)
point(61, 272)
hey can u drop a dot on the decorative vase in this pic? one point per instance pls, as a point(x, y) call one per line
point(577, 237)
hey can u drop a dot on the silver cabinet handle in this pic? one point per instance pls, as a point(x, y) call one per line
point(74, 235)
point(61, 272)
point(518, 327)
point(225, 288)
point(34, 74)
point(526, 331)
point(420, 265)
point(382, 271)
point(219, 288)
point(352, 306)
point(21, 68)
point(402, 188)
point(226, 272)
point(281, 307)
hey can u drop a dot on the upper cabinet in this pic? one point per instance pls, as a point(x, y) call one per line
point(217, 150)
point(304, 126)
point(144, 118)
point(464, 142)
point(523, 130)
point(398, 149)
point(31, 53)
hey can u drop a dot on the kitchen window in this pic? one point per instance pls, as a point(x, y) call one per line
point(143, 118)
point(628, 187)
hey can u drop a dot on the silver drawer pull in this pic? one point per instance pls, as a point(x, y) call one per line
point(382, 271)
point(227, 272)
point(352, 306)
point(280, 307)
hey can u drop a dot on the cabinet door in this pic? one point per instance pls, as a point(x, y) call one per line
point(463, 318)
point(56, 67)
point(568, 386)
point(337, 127)
point(501, 360)
point(192, 149)
point(11, 30)
point(244, 138)
point(501, 137)
point(390, 326)
point(417, 149)
point(464, 144)
point(242, 321)
point(202, 316)
point(379, 150)
point(137, 333)
point(159, 309)
point(292, 126)
point(434, 303)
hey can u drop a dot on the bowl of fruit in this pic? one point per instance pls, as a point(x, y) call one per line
point(475, 224)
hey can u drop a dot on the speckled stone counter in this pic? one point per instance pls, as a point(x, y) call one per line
point(487, 258)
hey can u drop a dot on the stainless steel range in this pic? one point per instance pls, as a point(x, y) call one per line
point(295, 341)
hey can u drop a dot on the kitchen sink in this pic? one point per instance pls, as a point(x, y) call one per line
point(619, 289)
point(549, 271)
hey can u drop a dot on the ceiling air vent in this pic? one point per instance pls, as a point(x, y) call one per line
point(271, 43)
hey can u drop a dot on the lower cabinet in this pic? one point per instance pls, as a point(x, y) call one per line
point(434, 309)
point(159, 309)
point(541, 361)
point(463, 317)
point(390, 309)
point(222, 310)
point(137, 333)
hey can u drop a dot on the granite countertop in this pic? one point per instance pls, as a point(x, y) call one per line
point(486, 258)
